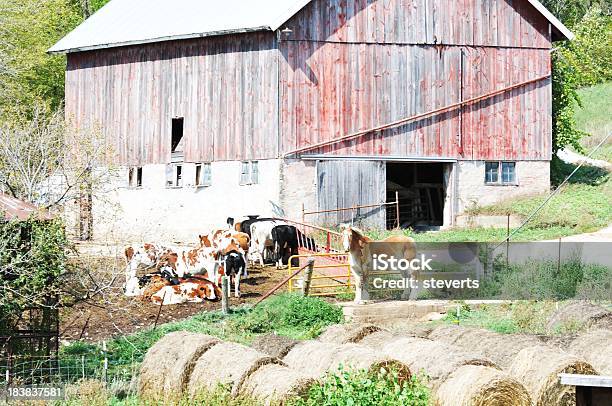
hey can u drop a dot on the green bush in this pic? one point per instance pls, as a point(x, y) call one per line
point(362, 388)
point(290, 314)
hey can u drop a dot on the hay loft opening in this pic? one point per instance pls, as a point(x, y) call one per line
point(421, 194)
point(177, 134)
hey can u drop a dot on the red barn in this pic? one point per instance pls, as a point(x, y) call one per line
point(245, 107)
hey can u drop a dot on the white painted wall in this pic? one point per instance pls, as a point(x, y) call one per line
point(157, 213)
point(533, 178)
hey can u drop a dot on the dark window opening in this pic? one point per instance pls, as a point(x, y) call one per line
point(177, 134)
point(135, 177)
point(174, 176)
point(421, 191)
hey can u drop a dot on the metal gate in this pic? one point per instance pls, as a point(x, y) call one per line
point(331, 274)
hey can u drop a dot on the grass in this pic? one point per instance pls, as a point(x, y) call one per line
point(594, 118)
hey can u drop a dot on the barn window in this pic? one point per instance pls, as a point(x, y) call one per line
point(203, 174)
point(177, 134)
point(135, 177)
point(249, 172)
point(500, 173)
point(174, 176)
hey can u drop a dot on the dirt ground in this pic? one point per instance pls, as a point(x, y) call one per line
point(109, 313)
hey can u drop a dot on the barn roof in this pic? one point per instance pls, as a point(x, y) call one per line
point(13, 208)
point(131, 22)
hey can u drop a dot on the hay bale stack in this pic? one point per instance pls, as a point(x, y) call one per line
point(274, 345)
point(347, 333)
point(538, 369)
point(168, 364)
point(377, 340)
point(596, 348)
point(499, 348)
point(473, 385)
point(228, 364)
point(315, 358)
point(583, 314)
point(437, 360)
point(273, 383)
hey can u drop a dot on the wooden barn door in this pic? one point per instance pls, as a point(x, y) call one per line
point(345, 184)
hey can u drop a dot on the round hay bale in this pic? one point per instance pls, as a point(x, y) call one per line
point(474, 385)
point(580, 314)
point(499, 348)
point(347, 333)
point(274, 345)
point(437, 360)
point(168, 364)
point(311, 357)
point(227, 364)
point(596, 348)
point(377, 340)
point(273, 383)
point(315, 358)
point(538, 368)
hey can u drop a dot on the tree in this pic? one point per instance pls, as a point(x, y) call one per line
point(44, 160)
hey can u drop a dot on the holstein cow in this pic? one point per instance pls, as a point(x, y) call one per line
point(285, 239)
point(234, 265)
point(361, 255)
point(262, 243)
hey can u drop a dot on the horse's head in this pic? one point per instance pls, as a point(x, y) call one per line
point(352, 238)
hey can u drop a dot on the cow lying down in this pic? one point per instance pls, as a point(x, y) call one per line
point(161, 289)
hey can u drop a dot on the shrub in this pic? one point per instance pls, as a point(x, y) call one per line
point(351, 387)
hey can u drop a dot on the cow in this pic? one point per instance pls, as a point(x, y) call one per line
point(262, 244)
point(285, 239)
point(234, 265)
point(144, 257)
point(361, 253)
point(246, 225)
point(188, 290)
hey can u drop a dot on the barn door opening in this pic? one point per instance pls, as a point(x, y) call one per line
point(421, 191)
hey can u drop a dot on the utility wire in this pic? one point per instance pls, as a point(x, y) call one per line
point(553, 194)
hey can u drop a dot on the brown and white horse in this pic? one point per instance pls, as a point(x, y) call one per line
point(361, 251)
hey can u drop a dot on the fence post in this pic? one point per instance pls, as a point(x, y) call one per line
point(105, 370)
point(159, 311)
point(83, 366)
point(397, 210)
point(225, 307)
point(308, 277)
point(328, 246)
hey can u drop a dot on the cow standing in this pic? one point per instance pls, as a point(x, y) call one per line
point(285, 239)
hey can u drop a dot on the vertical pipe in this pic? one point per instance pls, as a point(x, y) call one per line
point(508, 243)
point(559, 258)
point(328, 246)
point(397, 210)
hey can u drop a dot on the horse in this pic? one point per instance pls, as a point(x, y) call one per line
point(361, 252)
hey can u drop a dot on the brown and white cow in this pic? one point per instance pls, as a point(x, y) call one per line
point(188, 290)
point(361, 251)
point(142, 258)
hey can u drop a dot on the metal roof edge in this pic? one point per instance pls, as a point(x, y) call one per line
point(390, 158)
point(158, 39)
point(553, 20)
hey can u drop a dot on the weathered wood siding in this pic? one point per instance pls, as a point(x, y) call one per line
point(225, 87)
point(352, 65)
point(352, 183)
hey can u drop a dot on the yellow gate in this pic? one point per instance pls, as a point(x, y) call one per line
point(331, 274)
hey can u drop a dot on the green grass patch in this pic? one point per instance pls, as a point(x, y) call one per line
point(359, 387)
point(594, 118)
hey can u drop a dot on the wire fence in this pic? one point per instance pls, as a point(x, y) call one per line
point(35, 370)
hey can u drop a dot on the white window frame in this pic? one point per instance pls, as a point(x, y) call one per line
point(175, 176)
point(249, 173)
point(135, 175)
point(500, 175)
point(203, 174)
